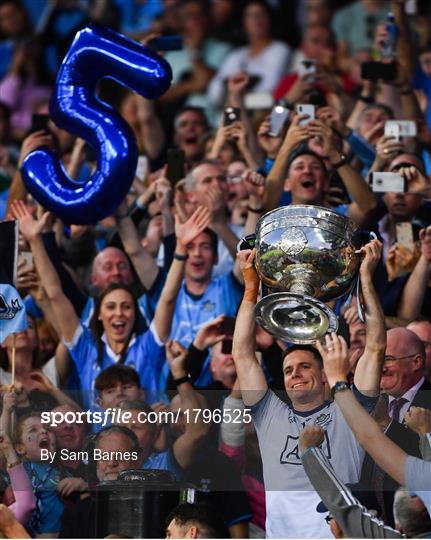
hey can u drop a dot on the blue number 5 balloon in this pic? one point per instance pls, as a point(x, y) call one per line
point(95, 53)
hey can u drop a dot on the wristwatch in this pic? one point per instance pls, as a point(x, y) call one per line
point(342, 161)
point(339, 386)
point(182, 380)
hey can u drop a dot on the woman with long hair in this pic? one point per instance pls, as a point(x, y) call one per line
point(112, 337)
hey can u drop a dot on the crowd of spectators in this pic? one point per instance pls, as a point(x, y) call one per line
point(151, 310)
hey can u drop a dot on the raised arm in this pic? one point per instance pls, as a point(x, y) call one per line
point(369, 367)
point(383, 451)
point(364, 200)
point(250, 374)
point(275, 179)
point(186, 446)
point(413, 294)
point(31, 229)
point(185, 233)
point(142, 260)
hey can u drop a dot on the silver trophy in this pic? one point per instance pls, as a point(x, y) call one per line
point(308, 254)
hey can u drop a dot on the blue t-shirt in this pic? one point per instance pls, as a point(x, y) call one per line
point(164, 461)
point(222, 296)
point(49, 507)
point(145, 355)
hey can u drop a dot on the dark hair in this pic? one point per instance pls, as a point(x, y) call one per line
point(114, 374)
point(381, 106)
point(190, 108)
point(306, 348)
point(213, 238)
point(96, 325)
point(301, 150)
point(202, 514)
point(265, 6)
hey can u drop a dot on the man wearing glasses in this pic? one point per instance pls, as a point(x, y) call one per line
point(404, 385)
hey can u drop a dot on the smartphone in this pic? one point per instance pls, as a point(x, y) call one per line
point(306, 108)
point(176, 165)
point(382, 182)
point(39, 122)
point(307, 67)
point(141, 168)
point(277, 119)
point(25, 258)
point(165, 43)
point(392, 129)
point(231, 115)
point(228, 326)
point(373, 71)
point(407, 128)
point(226, 346)
point(404, 231)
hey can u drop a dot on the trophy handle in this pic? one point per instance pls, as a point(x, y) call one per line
point(247, 242)
point(356, 286)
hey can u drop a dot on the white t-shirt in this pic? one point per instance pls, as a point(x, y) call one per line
point(291, 500)
point(270, 65)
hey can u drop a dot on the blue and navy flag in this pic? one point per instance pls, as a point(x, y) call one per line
point(13, 317)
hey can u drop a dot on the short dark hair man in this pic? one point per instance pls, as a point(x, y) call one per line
point(197, 520)
point(289, 495)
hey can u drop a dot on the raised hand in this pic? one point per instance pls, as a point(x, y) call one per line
point(254, 183)
point(335, 356)
point(209, 334)
point(176, 356)
point(418, 420)
point(311, 437)
point(268, 143)
point(187, 232)
point(251, 279)
point(387, 148)
point(237, 83)
point(163, 192)
point(373, 253)
point(29, 227)
point(33, 141)
point(425, 240)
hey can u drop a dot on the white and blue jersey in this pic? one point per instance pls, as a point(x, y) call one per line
point(163, 461)
point(222, 297)
point(145, 354)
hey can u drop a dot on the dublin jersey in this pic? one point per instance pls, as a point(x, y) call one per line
point(290, 498)
point(222, 297)
point(145, 355)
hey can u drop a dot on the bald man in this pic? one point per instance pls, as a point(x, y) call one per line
point(110, 266)
point(404, 385)
point(422, 328)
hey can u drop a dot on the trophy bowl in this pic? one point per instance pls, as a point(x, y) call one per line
point(305, 256)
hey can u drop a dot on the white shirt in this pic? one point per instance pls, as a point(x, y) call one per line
point(270, 65)
point(409, 396)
